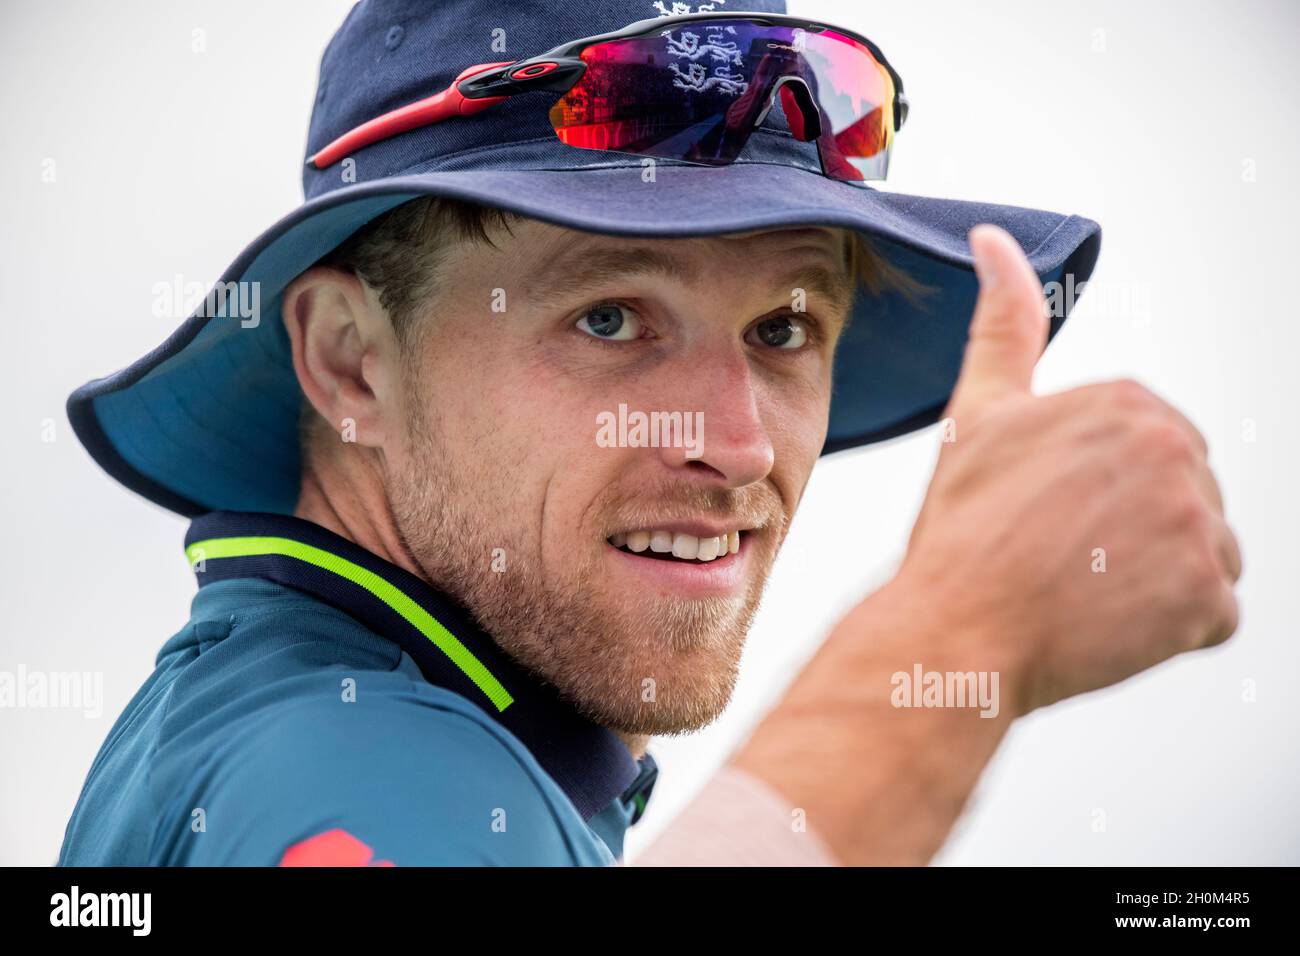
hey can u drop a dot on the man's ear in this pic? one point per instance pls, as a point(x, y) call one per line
point(344, 351)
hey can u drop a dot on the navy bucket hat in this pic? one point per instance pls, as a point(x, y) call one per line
point(209, 419)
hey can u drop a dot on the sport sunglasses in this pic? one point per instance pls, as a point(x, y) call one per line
point(690, 88)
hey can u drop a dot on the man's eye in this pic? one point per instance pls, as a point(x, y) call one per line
point(611, 322)
point(779, 332)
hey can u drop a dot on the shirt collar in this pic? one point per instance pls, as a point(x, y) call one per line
point(589, 762)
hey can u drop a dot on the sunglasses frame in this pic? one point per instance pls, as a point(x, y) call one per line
point(558, 70)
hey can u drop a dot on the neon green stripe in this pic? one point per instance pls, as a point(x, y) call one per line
point(394, 597)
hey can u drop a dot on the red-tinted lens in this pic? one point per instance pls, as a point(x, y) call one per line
point(695, 93)
point(855, 95)
point(684, 94)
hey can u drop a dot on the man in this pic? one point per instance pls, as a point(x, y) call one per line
point(561, 372)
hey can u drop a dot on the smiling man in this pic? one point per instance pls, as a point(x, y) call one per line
point(614, 565)
point(441, 615)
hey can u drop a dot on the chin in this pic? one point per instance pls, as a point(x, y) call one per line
point(657, 681)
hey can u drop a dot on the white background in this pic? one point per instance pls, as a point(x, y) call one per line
point(1146, 117)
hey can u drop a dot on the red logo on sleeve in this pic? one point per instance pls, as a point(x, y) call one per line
point(335, 847)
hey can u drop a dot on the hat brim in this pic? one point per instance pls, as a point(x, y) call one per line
point(209, 419)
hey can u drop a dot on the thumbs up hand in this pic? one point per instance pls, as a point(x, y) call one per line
point(1009, 329)
point(1067, 541)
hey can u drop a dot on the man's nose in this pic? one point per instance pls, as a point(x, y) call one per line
point(722, 401)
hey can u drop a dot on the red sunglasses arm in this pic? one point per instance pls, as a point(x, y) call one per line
point(432, 109)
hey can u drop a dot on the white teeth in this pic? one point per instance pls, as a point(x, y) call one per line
point(685, 546)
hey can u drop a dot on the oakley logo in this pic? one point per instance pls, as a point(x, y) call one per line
point(799, 46)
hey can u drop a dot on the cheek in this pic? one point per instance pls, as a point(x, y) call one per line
point(522, 440)
point(553, 430)
point(797, 413)
point(797, 417)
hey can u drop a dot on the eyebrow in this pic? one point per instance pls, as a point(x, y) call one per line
point(835, 286)
point(572, 270)
point(578, 269)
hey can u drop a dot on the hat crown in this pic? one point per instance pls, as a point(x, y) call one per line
point(389, 53)
point(209, 419)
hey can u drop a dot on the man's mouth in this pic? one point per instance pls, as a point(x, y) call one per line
point(676, 545)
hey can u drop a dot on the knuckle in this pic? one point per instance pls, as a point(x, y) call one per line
point(1227, 620)
point(1188, 512)
point(1166, 440)
point(1231, 617)
point(1235, 544)
point(1131, 394)
point(1205, 575)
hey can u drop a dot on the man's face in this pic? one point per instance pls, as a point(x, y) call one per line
point(509, 492)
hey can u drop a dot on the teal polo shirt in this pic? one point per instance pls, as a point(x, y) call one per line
point(325, 707)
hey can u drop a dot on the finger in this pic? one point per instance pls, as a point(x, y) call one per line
point(1186, 423)
point(1208, 484)
point(1145, 400)
point(1229, 551)
point(1009, 328)
point(1071, 405)
point(1227, 618)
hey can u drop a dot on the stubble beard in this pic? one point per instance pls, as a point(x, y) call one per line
point(636, 664)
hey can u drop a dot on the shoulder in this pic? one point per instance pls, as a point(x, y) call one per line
point(411, 775)
point(294, 721)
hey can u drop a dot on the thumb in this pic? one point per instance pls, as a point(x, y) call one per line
point(1009, 329)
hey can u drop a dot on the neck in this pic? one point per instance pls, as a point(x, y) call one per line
point(635, 743)
point(365, 519)
point(339, 498)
